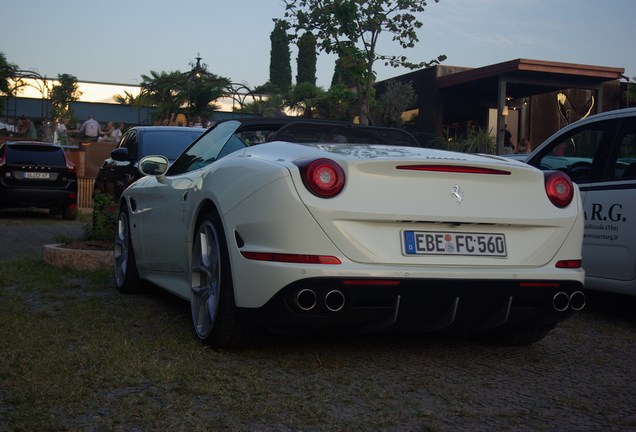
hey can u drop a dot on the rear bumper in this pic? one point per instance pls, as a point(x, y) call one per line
point(422, 305)
point(42, 198)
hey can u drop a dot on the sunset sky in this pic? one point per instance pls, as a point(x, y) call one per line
point(117, 41)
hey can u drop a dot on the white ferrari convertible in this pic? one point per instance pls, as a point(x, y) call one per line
point(294, 225)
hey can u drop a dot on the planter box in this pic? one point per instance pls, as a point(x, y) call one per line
point(80, 259)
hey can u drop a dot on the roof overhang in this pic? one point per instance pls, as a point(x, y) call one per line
point(525, 78)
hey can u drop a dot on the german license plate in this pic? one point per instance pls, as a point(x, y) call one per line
point(36, 175)
point(453, 243)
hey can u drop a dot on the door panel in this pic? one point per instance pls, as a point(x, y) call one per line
point(609, 241)
point(165, 233)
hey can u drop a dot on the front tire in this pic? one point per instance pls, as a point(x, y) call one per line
point(125, 265)
point(214, 313)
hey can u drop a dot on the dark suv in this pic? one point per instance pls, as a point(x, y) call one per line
point(37, 174)
point(120, 170)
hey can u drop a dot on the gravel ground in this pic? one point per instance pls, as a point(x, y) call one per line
point(24, 232)
point(581, 377)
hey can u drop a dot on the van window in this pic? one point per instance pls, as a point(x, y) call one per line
point(574, 152)
point(624, 165)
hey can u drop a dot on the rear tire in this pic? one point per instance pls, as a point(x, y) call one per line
point(126, 274)
point(213, 308)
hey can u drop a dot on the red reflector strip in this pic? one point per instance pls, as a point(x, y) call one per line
point(539, 284)
point(453, 169)
point(370, 282)
point(291, 258)
point(569, 264)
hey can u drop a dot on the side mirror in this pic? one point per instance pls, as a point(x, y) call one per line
point(153, 165)
point(119, 154)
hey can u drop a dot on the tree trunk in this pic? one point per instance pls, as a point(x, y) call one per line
point(363, 104)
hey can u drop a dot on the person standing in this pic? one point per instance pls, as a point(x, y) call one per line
point(91, 129)
point(113, 134)
point(508, 147)
point(25, 126)
point(62, 132)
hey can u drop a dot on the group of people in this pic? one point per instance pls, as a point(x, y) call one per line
point(91, 131)
point(509, 148)
point(180, 120)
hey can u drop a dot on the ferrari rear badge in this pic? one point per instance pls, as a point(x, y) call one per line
point(458, 194)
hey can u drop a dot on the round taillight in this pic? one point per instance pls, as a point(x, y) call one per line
point(559, 188)
point(323, 177)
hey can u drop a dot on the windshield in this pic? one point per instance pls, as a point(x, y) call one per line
point(35, 155)
point(206, 150)
point(169, 143)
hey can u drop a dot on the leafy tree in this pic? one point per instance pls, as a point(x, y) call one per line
point(279, 62)
point(351, 28)
point(338, 104)
point(62, 94)
point(7, 72)
point(126, 99)
point(306, 61)
point(162, 91)
point(204, 93)
point(272, 106)
point(204, 88)
point(170, 92)
point(342, 74)
point(267, 88)
point(303, 97)
point(396, 99)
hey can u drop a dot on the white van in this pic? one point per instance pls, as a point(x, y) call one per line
point(599, 154)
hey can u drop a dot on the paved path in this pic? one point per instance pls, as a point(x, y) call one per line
point(24, 232)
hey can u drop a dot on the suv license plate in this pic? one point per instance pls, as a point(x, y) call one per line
point(36, 175)
point(453, 243)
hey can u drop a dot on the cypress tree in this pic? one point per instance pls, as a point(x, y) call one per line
point(306, 61)
point(279, 64)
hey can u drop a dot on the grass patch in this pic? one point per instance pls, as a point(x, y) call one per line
point(77, 355)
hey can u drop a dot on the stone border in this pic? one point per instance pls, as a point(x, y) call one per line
point(79, 259)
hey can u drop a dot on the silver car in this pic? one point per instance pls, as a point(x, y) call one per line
point(599, 154)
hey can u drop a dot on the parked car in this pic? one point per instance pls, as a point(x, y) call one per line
point(38, 174)
point(299, 226)
point(120, 170)
point(599, 154)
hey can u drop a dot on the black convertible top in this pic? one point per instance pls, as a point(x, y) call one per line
point(308, 130)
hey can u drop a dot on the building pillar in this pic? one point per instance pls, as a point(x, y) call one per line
point(502, 112)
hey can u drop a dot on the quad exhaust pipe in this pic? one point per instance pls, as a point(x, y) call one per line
point(307, 299)
point(561, 301)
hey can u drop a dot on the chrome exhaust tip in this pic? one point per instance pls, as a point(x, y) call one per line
point(560, 301)
point(334, 300)
point(305, 299)
point(577, 300)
